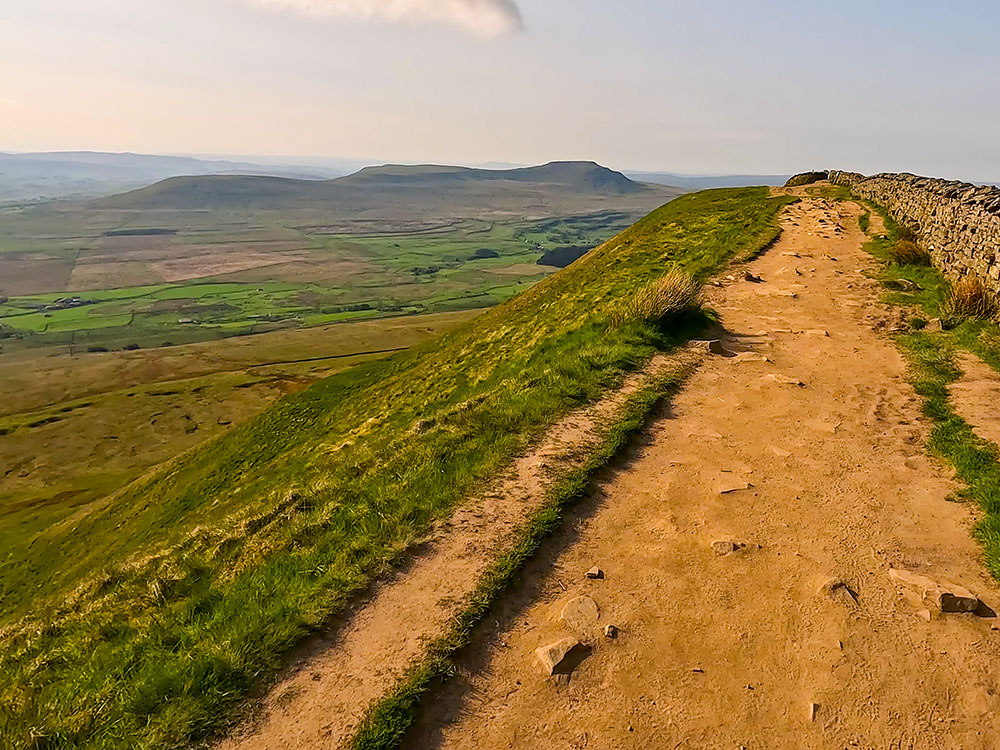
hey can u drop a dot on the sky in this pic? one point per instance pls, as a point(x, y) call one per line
point(719, 86)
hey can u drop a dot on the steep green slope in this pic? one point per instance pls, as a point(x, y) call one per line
point(189, 585)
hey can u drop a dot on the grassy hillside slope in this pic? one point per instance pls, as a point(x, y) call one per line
point(153, 615)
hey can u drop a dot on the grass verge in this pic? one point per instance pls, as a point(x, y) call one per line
point(387, 722)
point(976, 461)
point(932, 366)
point(154, 613)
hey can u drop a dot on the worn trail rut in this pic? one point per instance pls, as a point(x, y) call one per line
point(333, 679)
point(807, 446)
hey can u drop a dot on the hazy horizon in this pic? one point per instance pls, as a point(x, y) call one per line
point(772, 88)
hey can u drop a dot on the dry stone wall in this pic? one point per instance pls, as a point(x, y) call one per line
point(959, 223)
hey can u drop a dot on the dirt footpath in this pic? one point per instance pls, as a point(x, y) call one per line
point(333, 679)
point(807, 447)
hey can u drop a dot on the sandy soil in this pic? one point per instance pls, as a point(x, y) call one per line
point(976, 396)
point(808, 448)
point(334, 679)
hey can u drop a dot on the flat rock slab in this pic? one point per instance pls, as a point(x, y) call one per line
point(784, 380)
point(944, 597)
point(724, 547)
point(581, 614)
point(750, 357)
point(727, 485)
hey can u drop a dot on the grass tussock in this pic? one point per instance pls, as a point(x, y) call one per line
point(153, 616)
point(865, 220)
point(667, 298)
point(969, 299)
point(909, 253)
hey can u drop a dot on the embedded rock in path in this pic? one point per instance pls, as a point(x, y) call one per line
point(724, 547)
point(729, 485)
point(942, 596)
point(557, 658)
point(902, 285)
point(596, 573)
point(713, 346)
point(750, 357)
point(785, 380)
point(837, 588)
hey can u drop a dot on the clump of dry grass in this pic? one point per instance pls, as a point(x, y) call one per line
point(665, 298)
point(908, 253)
point(969, 299)
point(906, 234)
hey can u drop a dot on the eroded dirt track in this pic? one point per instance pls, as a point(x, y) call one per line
point(333, 679)
point(824, 480)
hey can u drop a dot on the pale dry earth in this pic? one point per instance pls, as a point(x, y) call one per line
point(976, 396)
point(334, 679)
point(824, 480)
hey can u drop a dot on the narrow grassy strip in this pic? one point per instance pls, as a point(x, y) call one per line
point(864, 221)
point(931, 357)
point(387, 722)
point(976, 461)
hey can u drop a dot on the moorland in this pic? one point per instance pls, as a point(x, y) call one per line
point(199, 258)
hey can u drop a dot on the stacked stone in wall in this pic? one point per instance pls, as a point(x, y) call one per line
point(958, 222)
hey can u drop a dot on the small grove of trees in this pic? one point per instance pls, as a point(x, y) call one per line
point(362, 306)
point(425, 270)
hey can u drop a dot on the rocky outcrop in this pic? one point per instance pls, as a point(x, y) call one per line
point(958, 222)
point(806, 178)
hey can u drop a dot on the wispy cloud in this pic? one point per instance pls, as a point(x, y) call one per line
point(482, 17)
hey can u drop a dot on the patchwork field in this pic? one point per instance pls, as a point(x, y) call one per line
point(193, 279)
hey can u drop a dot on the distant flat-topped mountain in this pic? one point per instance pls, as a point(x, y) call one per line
point(706, 182)
point(438, 190)
point(583, 176)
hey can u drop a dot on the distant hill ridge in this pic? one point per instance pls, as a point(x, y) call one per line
point(377, 185)
point(585, 175)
